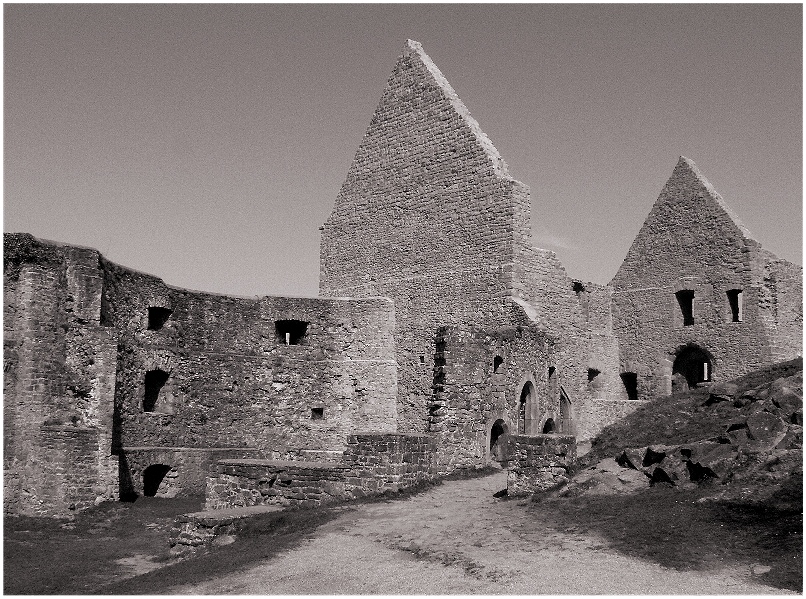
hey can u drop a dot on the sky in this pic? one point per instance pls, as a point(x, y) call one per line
point(206, 144)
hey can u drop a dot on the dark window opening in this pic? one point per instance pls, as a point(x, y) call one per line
point(497, 361)
point(291, 332)
point(735, 301)
point(630, 380)
point(592, 374)
point(578, 287)
point(154, 381)
point(152, 478)
point(685, 298)
point(693, 366)
point(157, 317)
point(548, 428)
point(422, 359)
point(317, 413)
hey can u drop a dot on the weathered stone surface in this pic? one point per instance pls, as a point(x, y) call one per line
point(766, 430)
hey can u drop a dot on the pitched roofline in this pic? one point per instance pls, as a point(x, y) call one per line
point(499, 166)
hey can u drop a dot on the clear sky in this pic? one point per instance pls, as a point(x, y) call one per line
point(205, 144)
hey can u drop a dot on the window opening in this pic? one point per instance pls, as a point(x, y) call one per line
point(548, 428)
point(317, 413)
point(630, 380)
point(497, 361)
point(154, 381)
point(685, 298)
point(157, 317)
point(422, 359)
point(592, 374)
point(291, 332)
point(735, 301)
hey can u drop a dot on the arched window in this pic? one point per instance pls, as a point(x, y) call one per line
point(152, 477)
point(548, 428)
point(154, 381)
point(693, 365)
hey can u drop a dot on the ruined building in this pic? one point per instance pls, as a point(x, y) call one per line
point(437, 319)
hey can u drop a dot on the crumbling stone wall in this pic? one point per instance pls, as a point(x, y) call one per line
point(482, 377)
point(692, 242)
point(538, 462)
point(59, 366)
point(373, 463)
point(84, 345)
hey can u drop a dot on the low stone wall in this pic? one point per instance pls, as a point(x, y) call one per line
point(188, 467)
point(389, 462)
point(371, 464)
point(538, 462)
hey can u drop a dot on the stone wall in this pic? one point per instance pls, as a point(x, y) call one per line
point(538, 462)
point(486, 376)
point(373, 463)
point(692, 242)
point(93, 345)
point(59, 367)
point(435, 206)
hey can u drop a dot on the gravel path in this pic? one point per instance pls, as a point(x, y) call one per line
point(458, 539)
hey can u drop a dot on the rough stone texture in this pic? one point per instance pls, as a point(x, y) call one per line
point(189, 467)
point(692, 241)
point(193, 533)
point(429, 218)
point(538, 462)
point(446, 234)
point(372, 463)
point(78, 347)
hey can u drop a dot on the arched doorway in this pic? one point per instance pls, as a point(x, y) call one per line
point(692, 366)
point(525, 408)
point(566, 416)
point(549, 427)
point(498, 437)
point(152, 477)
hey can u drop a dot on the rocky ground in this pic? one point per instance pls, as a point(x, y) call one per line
point(742, 440)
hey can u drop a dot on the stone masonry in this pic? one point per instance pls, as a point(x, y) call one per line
point(438, 319)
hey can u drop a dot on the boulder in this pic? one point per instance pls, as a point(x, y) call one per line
point(788, 402)
point(721, 392)
point(631, 458)
point(765, 430)
point(793, 439)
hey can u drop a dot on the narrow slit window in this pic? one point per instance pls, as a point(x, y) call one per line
point(497, 361)
point(735, 301)
point(291, 332)
point(685, 298)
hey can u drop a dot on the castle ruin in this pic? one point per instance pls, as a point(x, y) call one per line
point(439, 330)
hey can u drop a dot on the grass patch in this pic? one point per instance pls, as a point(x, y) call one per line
point(672, 528)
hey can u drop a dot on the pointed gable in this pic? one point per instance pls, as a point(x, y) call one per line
point(690, 229)
point(427, 189)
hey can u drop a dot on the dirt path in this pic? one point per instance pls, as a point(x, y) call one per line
point(458, 539)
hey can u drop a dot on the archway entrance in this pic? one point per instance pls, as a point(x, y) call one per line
point(548, 428)
point(692, 366)
point(497, 440)
point(152, 477)
point(525, 408)
point(566, 416)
